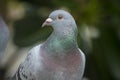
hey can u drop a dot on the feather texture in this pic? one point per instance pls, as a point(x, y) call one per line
point(59, 57)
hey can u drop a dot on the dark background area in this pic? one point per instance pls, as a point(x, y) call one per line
point(98, 24)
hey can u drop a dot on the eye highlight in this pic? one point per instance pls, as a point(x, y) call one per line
point(60, 17)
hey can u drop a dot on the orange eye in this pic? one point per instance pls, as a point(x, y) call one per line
point(60, 17)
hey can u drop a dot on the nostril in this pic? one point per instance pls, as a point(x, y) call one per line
point(48, 20)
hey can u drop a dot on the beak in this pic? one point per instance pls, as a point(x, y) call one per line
point(47, 22)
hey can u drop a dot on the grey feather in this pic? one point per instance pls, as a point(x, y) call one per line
point(59, 57)
point(4, 36)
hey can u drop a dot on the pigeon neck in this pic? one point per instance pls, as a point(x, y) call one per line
point(61, 41)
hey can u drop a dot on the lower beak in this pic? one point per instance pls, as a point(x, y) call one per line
point(47, 22)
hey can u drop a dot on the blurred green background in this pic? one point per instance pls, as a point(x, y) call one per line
point(99, 31)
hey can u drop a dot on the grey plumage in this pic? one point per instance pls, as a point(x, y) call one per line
point(4, 36)
point(58, 58)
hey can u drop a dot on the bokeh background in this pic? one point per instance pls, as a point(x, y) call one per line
point(98, 25)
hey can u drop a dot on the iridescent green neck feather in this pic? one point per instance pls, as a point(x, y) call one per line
point(62, 40)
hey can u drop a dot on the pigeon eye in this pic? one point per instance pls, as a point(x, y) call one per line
point(60, 17)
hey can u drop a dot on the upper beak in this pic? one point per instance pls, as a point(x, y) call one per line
point(47, 22)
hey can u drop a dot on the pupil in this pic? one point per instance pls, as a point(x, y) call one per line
point(60, 17)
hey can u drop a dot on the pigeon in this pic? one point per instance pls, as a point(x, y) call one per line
point(4, 37)
point(57, 58)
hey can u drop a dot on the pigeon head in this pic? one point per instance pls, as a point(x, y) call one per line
point(60, 20)
point(64, 35)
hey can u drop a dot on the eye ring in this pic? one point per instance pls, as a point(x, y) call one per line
point(60, 17)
